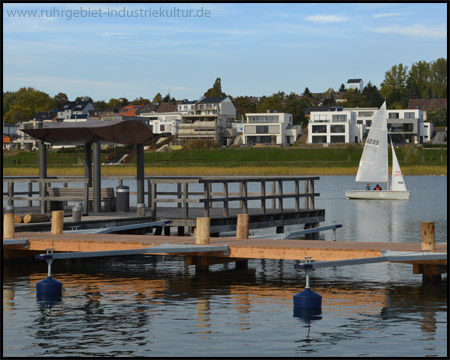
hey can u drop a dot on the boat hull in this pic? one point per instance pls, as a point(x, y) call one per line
point(377, 194)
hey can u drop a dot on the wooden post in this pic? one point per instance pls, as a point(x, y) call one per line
point(242, 227)
point(8, 226)
point(57, 221)
point(430, 272)
point(428, 238)
point(202, 231)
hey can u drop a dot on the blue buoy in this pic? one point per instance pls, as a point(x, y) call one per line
point(48, 289)
point(307, 303)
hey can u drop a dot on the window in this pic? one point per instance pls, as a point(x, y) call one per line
point(319, 139)
point(410, 115)
point(359, 122)
point(337, 139)
point(339, 118)
point(393, 116)
point(162, 128)
point(262, 129)
point(337, 129)
point(365, 113)
point(319, 129)
point(320, 118)
point(369, 123)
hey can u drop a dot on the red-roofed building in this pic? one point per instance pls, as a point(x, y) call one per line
point(129, 111)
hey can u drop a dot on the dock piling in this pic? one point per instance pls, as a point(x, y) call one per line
point(203, 230)
point(243, 222)
point(57, 221)
point(8, 223)
point(430, 272)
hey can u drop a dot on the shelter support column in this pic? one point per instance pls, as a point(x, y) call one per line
point(88, 163)
point(140, 173)
point(42, 173)
point(97, 177)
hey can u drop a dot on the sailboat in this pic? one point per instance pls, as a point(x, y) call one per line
point(373, 166)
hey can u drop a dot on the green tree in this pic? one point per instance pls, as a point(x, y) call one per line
point(100, 105)
point(84, 98)
point(140, 101)
point(24, 103)
point(296, 105)
point(372, 95)
point(438, 78)
point(438, 117)
point(157, 99)
point(60, 99)
point(418, 81)
point(393, 86)
point(273, 103)
point(243, 105)
point(307, 93)
point(342, 88)
point(216, 90)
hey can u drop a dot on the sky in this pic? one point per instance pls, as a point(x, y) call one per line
point(137, 50)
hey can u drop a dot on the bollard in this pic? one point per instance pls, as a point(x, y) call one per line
point(8, 223)
point(76, 214)
point(202, 231)
point(242, 227)
point(428, 238)
point(140, 210)
point(57, 222)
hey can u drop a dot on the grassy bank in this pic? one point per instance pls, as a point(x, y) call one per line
point(244, 161)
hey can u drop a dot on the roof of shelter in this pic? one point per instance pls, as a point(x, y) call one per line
point(84, 133)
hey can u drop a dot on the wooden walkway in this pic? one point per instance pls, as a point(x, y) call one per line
point(238, 249)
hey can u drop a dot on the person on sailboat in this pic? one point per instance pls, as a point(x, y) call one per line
point(368, 187)
point(378, 187)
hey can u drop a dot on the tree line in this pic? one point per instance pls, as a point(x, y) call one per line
point(422, 80)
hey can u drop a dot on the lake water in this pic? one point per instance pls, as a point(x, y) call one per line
point(157, 306)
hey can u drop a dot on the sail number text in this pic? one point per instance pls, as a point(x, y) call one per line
point(372, 141)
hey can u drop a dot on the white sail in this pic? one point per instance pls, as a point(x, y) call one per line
point(398, 184)
point(373, 166)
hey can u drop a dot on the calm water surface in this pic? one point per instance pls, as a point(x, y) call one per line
point(157, 306)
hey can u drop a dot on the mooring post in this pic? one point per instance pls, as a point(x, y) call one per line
point(243, 222)
point(8, 223)
point(57, 222)
point(430, 272)
point(202, 231)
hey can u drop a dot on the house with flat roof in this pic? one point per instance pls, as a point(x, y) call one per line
point(270, 129)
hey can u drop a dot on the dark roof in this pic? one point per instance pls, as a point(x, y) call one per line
point(212, 100)
point(74, 105)
point(353, 81)
point(308, 110)
point(46, 115)
point(427, 104)
point(84, 133)
point(167, 107)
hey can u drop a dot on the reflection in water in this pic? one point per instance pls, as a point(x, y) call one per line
point(134, 306)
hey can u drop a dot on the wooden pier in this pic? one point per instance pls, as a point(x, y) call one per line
point(182, 199)
point(238, 250)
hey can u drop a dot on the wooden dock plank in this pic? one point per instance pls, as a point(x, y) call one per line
point(242, 249)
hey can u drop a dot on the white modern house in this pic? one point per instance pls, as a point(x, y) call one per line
point(356, 84)
point(408, 126)
point(337, 125)
point(364, 116)
point(270, 128)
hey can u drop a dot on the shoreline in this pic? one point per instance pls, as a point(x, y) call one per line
point(108, 170)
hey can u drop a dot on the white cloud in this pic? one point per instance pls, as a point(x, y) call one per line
point(416, 30)
point(385, 15)
point(325, 19)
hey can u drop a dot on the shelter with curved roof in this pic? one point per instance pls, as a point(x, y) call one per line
point(92, 134)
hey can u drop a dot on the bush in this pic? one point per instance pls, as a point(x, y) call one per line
point(201, 144)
